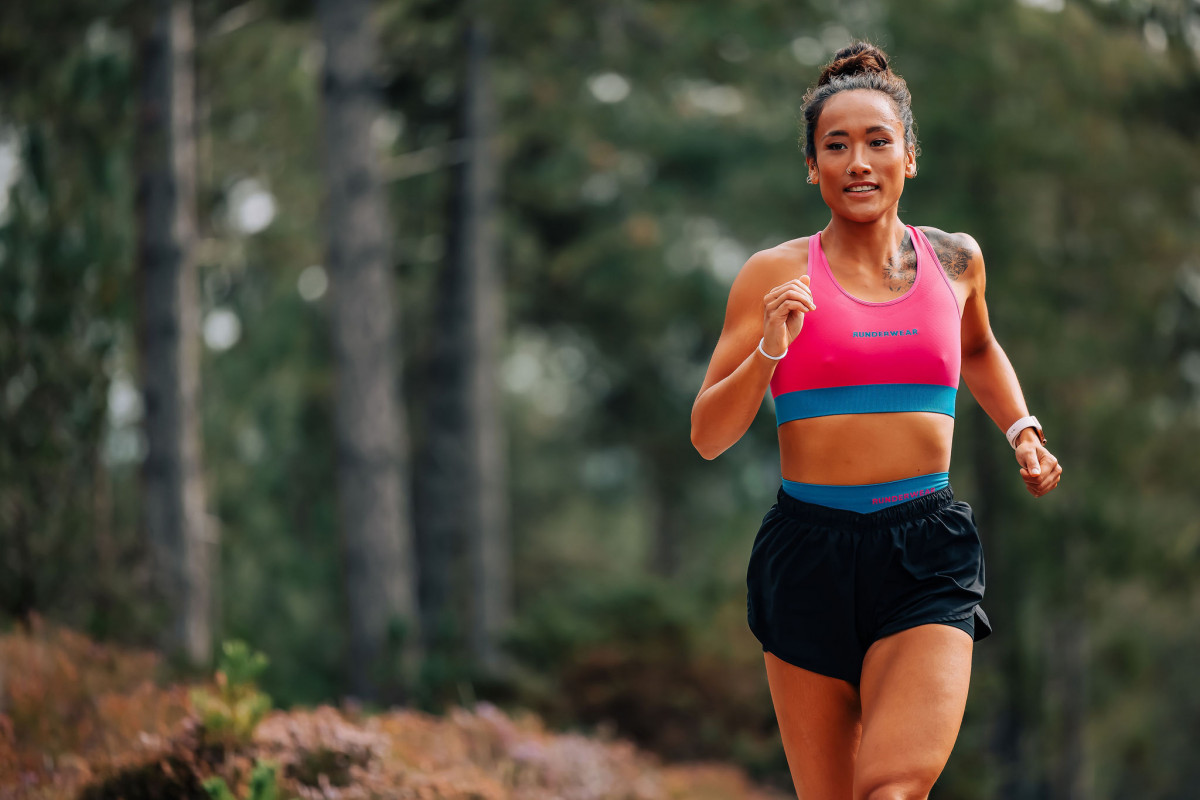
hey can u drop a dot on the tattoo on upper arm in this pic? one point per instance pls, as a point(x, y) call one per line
point(954, 257)
point(900, 271)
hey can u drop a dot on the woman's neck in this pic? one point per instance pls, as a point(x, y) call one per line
point(862, 246)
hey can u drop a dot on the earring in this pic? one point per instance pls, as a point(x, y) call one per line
point(808, 179)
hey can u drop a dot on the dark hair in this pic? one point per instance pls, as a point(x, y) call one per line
point(860, 65)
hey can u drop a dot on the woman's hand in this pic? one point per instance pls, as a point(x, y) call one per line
point(784, 308)
point(1039, 468)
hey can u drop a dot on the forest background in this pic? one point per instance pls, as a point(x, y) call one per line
point(569, 190)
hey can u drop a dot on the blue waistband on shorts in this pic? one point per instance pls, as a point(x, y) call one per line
point(867, 497)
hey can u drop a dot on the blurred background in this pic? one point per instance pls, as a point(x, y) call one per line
point(368, 333)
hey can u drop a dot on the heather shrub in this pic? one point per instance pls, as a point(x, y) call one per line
point(67, 699)
point(481, 753)
point(320, 747)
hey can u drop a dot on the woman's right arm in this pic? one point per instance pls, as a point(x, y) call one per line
point(763, 303)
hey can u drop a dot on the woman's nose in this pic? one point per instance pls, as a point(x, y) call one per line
point(858, 164)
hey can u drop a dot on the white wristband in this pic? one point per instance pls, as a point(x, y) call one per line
point(1015, 429)
point(768, 355)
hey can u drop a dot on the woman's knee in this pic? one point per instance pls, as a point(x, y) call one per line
point(910, 785)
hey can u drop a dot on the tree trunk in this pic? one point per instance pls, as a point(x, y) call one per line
point(466, 473)
point(370, 432)
point(174, 504)
point(488, 539)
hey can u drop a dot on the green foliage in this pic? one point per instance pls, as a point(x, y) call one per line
point(262, 784)
point(217, 789)
point(555, 629)
point(240, 664)
point(233, 711)
point(654, 662)
point(65, 250)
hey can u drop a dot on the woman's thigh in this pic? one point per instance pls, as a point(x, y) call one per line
point(914, 691)
point(819, 721)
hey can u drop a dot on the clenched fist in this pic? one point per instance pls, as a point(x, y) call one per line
point(1039, 468)
point(784, 308)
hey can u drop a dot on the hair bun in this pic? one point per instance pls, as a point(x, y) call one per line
point(859, 57)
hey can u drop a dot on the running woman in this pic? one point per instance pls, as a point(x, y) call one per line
point(865, 579)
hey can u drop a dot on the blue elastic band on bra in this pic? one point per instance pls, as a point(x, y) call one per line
point(867, 497)
point(878, 398)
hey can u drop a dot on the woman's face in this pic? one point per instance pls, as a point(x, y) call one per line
point(861, 156)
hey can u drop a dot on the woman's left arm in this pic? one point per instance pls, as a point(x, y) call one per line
point(991, 378)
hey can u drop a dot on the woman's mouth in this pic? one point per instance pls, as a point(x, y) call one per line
point(861, 188)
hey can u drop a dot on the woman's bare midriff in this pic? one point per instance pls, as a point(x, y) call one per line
point(851, 449)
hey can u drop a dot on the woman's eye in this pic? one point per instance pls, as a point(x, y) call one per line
point(835, 146)
point(881, 142)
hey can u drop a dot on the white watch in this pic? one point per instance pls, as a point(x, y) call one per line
point(1015, 429)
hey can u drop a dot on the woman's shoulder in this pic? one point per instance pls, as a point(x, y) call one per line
point(956, 251)
point(785, 261)
point(766, 269)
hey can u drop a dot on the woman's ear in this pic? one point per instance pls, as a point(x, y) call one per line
point(814, 177)
point(910, 166)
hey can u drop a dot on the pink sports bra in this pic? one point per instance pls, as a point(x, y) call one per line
point(858, 357)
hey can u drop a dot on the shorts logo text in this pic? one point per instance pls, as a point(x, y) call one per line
point(900, 498)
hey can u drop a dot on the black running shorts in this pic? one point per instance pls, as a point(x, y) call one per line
point(823, 584)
